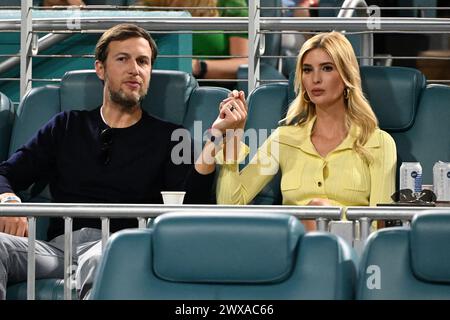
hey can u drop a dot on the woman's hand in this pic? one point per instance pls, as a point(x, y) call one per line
point(232, 113)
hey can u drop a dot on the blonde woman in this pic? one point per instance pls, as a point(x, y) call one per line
point(330, 152)
point(214, 44)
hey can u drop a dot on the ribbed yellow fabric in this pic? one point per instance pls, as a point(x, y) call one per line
point(341, 177)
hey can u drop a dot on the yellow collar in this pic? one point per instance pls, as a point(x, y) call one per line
point(300, 137)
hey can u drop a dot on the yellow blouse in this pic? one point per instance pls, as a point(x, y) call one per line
point(341, 177)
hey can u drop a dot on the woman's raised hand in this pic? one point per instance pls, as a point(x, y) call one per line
point(232, 112)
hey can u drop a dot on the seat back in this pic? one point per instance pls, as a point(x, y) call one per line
point(202, 111)
point(267, 105)
point(428, 140)
point(395, 94)
point(6, 123)
point(168, 95)
point(37, 107)
point(225, 256)
point(408, 263)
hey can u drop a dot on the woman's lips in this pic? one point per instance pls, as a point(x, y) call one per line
point(317, 92)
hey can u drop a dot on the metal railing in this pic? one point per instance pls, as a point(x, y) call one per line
point(365, 216)
point(68, 211)
point(361, 217)
point(350, 9)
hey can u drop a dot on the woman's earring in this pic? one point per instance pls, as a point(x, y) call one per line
point(346, 93)
point(306, 97)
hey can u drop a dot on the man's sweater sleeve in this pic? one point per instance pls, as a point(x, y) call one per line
point(180, 175)
point(35, 160)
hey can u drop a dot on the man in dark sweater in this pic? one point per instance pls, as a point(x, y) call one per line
point(116, 153)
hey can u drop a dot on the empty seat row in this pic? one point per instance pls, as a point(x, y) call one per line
point(251, 256)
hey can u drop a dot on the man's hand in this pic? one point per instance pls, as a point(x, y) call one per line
point(232, 112)
point(16, 226)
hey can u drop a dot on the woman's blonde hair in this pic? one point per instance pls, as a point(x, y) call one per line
point(210, 12)
point(358, 110)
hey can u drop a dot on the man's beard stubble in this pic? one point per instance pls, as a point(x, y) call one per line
point(120, 98)
point(126, 102)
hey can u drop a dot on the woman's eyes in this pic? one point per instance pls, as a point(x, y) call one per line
point(326, 68)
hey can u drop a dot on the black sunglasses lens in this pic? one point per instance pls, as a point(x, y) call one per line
point(427, 195)
point(407, 195)
point(106, 136)
point(106, 141)
point(105, 157)
point(403, 195)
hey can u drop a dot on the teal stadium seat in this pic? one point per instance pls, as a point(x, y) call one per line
point(267, 105)
point(408, 263)
point(168, 98)
point(225, 256)
point(6, 123)
point(428, 141)
point(203, 106)
point(202, 111)
point(415, 115)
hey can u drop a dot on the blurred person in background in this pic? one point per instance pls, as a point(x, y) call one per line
point(50, 3)
point(292, 42)
point(306, 4)
point(214, 44)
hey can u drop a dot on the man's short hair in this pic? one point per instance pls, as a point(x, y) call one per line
point(122, 32)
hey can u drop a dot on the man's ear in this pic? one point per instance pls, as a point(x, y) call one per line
point(100, 69)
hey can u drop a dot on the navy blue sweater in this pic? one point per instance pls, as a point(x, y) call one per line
point(67, 154)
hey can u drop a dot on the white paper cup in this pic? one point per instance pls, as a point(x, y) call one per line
point(173, 197)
